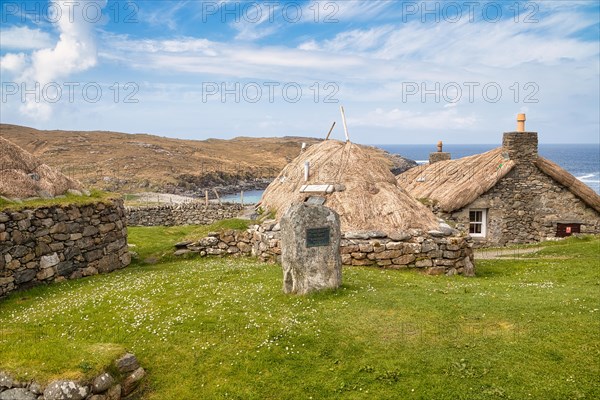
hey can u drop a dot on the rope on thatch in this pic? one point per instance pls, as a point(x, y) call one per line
point(453, 184)
point(575, 186)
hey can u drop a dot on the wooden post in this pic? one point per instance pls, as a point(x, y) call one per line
point(345, 125)
point(330, 130)
point(242, 198)
point(206, 198)
point(217, 194)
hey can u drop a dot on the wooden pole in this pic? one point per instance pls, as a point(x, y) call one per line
point(344, 121)
point(217, 194)
point(330, 130)
point(206, 198)
point(242, 198)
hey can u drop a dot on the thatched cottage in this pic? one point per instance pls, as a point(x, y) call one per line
point(381, 224)
point(506, 195)
point(23, 176)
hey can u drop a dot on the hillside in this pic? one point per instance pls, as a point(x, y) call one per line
point(139, 162)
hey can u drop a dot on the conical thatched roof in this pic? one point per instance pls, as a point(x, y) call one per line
point(370, 200)
point(453, 184)
point(23, 176)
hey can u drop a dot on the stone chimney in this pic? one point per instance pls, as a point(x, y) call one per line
point(520, 146)
point(440, 155)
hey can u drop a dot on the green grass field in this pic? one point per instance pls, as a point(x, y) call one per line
point(223, 329)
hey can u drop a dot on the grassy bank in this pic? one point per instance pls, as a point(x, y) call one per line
point(222, 328)
point(65, 200)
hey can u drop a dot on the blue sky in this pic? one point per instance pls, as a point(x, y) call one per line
point(405, 71)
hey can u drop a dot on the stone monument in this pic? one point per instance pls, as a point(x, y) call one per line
point(310, 249)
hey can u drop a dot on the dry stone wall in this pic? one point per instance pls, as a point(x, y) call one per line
point(525, 207)
point(50, 244)
point(123, 383)
point(444, 252)
point(182, 214)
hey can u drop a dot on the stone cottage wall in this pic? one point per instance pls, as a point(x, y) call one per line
point(182, 214)
point(435, 253)
point(61, 242)
point(525, 206)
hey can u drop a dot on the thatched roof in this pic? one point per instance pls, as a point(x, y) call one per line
point(22, 175)
point(370, 200)
point(578, 188)
point(454, 184)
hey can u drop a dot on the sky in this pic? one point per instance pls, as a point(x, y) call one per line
point(406, 72)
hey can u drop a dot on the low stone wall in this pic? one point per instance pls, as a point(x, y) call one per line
point(61, 242)
point(434, 252)
point(181, 214)
point(105, 386)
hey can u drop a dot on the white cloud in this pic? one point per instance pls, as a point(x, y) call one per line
point(74, 52)
point(24, 38)
point(13, 63)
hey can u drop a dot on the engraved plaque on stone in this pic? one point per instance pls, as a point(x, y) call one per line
point(316, 237)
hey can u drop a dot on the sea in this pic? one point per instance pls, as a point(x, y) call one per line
point(581, 160)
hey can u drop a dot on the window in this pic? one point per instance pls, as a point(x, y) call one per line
point(564, 230)
point(477, 223)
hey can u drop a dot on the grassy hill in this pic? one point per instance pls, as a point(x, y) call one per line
point(222, 328)
point(139, 162)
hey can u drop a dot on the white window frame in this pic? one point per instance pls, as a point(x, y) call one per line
point(483, 222)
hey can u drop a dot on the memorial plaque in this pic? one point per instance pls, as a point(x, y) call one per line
point(310, 249)
point(317, 237)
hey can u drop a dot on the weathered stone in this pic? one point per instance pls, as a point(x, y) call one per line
point(346, 259)
point(97, 397)
point(65, 390)
point(183, 245)
point(383, 263)
point(89, 271)
point(127, 363)
point(424, 263)
point(388, 254)
point(19, 251)
point(356, 235)
point(404, 260)
point(181, 252)
point(114, 393)
point(45, 274)
point(399, 236)
point(6, 381)
point(365, 247)
point(451, 254)
point(49, 261)
point(428, 245)
point(307, 269)
point(60, 227)
point(94, 255)
point(18, 394)
point(413, 248)
point(376, 234)
point(90, 231)
point(102, 383)
point(208, 241)
point(130, 383)
point(42, 249)
point(24, 276)
point(35, 388)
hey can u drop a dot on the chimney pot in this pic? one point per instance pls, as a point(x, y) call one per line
point(440, 146)
point(521, 122)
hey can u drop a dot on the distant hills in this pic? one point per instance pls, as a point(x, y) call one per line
point(140, 162)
